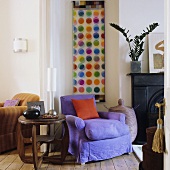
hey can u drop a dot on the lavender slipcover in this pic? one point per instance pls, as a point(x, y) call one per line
point(99, 129)
point(117, 141)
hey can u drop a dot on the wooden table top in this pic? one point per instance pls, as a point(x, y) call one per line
point(42, 121)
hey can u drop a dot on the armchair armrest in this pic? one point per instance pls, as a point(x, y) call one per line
point(1, 104)
point(12, 110)
point(113, 115)
point(76, 122)
point(9, 118)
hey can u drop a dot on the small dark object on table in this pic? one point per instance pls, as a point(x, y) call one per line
point(31, 113)
point(48, 116)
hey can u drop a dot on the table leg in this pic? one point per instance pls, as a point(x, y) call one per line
point(37, 162)
point(65, 143)
point(48, 144)
point(20, 143)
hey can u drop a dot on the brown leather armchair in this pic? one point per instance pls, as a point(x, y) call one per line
point(9, 119)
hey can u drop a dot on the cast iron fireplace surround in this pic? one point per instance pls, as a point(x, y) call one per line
point(147, 89)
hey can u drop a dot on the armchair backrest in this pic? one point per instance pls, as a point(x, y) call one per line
point(67, 107)
point(26, 97)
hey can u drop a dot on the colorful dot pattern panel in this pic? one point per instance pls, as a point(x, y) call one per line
point(88, 4)
point(89, 52)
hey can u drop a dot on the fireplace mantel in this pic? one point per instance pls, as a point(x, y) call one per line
point(147, 89)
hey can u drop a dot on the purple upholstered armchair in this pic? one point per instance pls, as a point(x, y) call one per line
point(95, 139)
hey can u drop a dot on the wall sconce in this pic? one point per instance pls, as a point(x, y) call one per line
point(20, 45)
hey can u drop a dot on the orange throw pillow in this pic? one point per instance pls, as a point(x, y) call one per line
point(85, 109)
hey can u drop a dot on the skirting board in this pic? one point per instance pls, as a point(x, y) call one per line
point(138, 151)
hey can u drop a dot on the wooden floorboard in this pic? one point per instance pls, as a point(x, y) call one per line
point(131, 161)
point(11, 161)
point(107, 165)
point(119, 163)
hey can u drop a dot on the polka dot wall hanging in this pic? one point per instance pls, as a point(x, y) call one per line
point(88, 48)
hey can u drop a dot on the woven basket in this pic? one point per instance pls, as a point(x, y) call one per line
point(130, 117)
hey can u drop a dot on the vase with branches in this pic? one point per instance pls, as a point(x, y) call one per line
point(135, 44)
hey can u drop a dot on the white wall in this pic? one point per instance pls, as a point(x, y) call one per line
point(19, 71)
point(112, 64)
point(136, 16)
point(64, 52)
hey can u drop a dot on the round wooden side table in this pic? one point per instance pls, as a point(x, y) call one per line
point(35, 139)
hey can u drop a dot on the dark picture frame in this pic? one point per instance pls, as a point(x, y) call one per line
point(37, 105)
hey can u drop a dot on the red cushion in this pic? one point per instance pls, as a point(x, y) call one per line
point(85, 109)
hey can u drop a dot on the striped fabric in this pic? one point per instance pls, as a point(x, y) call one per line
point(26, 97)
point(9, 118)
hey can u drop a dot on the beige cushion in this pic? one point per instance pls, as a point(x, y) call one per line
point(131, 120)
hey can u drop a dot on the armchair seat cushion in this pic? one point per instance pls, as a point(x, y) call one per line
point(100, 129)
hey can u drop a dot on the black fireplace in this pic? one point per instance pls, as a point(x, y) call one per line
point(147, 89)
